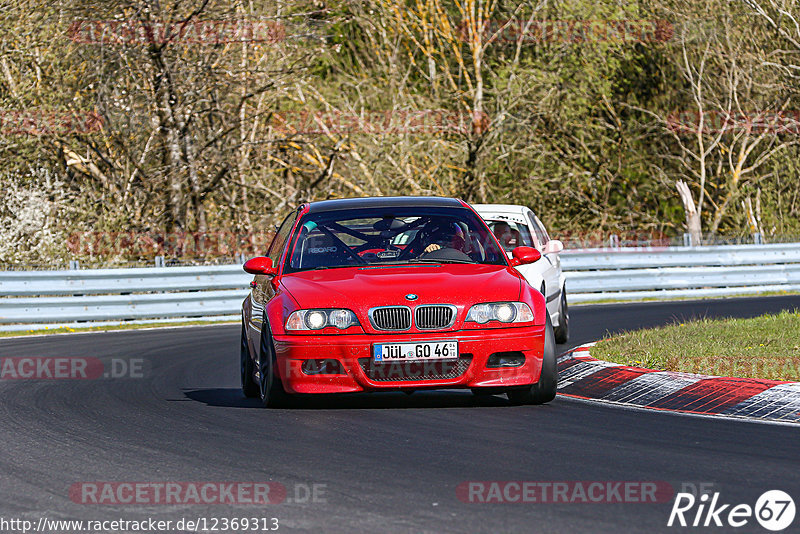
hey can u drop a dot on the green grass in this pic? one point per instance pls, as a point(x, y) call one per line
point(761, 347)
point(675, 299)
point(138, 326)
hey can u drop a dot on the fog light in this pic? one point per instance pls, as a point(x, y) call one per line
point(505, 359)
point(323, 367)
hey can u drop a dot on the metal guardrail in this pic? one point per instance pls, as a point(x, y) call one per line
point(680, 272)
point(98, 281)
point(719, 255)
point(32, 299)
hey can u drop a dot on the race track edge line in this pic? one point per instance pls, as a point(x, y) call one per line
point(584, 377)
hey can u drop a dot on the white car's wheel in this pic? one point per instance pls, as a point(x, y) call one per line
point(562, 331)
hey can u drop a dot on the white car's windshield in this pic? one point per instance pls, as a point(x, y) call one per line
point(510, 234)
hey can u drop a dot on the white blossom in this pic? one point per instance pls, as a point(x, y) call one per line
point(29, 208)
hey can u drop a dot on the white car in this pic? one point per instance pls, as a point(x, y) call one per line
point(516, 226)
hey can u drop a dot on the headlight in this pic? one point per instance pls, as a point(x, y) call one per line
point(319, 319)
point(505, 312)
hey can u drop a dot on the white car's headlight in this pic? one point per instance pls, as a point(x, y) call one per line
point(319, 319)
point(505, 312)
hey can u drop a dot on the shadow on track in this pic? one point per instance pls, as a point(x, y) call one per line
point(227, 397)
point(232, 398)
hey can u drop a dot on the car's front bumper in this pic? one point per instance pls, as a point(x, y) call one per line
point(354, 353)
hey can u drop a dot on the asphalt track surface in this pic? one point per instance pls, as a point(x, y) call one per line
point(382, 463)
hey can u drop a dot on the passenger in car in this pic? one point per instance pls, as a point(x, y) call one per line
point(508, 238)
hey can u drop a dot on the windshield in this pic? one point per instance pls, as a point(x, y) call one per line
point(510, 234)
point(391, 236)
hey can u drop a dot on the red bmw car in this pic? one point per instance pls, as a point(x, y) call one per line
point(402, 293)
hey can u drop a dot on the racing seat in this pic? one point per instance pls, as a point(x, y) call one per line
point(321, 250)
point(476, 250)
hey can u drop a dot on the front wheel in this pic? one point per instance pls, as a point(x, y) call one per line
point(270, 388)
point(562, 331)
point(249, 386)
point(545, 389)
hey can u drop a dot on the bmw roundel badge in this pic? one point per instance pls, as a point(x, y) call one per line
point(411, 296)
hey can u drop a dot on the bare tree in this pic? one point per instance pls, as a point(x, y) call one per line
point(733, 127)
point(447, 44)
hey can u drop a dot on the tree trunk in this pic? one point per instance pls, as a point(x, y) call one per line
point(692, 215)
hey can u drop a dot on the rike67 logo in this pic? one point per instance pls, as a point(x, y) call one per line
point(774, 510)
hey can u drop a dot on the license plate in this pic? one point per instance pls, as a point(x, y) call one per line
point(411, 352)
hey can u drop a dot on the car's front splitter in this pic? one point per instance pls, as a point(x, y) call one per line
point(361, 373)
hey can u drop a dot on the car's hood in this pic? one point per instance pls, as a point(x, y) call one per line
point(362, 288)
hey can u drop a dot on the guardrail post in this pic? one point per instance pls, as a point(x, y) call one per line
point(241, 257)
point(613, 241)
point(74, 265)
point(757, 240)
point(159, 261)
point(687, 240)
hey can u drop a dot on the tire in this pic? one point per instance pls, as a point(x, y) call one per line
point(545, 389)
point(270, 389)
point(249, 386)
point(562, 331)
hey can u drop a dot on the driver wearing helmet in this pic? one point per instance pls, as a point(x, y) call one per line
point(444, 235)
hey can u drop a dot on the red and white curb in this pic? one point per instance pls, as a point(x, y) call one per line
point(580, 375)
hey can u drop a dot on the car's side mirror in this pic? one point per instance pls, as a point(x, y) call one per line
point(553, 246)
point(260, 265)
point(524, 255)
